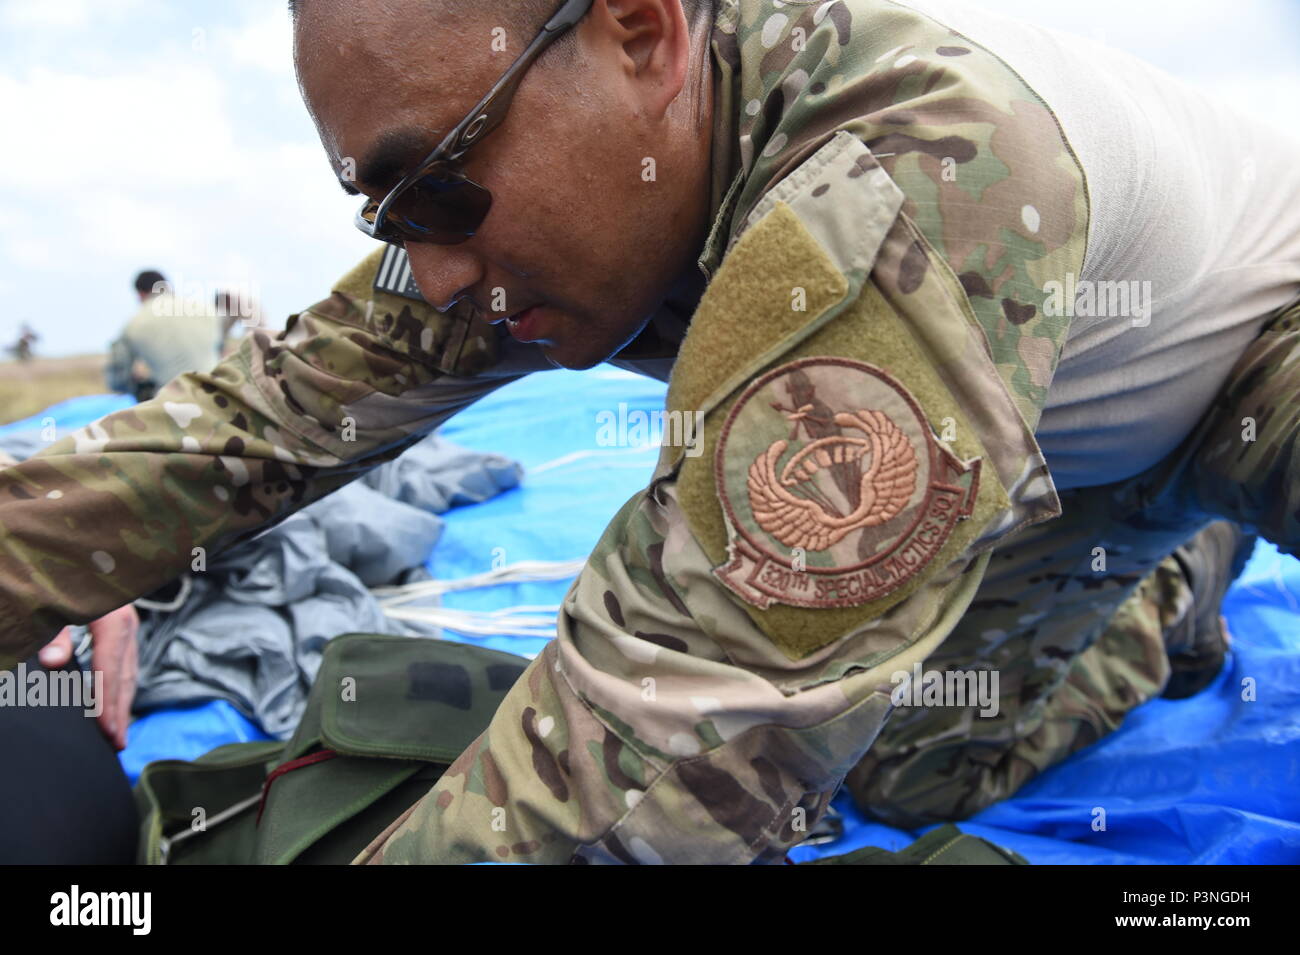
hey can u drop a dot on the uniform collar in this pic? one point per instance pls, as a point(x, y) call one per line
point(724, 58)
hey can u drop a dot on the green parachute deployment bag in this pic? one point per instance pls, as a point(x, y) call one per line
point(385, 718)
point(946, 845)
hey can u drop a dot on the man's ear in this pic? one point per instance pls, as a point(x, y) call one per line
point(653, 44)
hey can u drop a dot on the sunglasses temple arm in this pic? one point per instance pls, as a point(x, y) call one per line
point(503, 91)
point(567, 16)
point(494, 103)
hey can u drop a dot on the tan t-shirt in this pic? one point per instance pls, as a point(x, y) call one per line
point(172, 335)
point(1195, 220)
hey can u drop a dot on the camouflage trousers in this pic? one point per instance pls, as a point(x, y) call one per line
point(1078, 616)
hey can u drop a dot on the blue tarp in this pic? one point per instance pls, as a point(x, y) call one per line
point(72, 414)
point(1210, 779)
point(185, 732)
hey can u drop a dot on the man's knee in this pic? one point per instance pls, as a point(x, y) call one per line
point(946, 783)
point(1246, 466)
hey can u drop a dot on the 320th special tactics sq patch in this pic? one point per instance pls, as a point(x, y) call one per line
point(835, 489)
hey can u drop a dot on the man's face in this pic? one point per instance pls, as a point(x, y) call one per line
point(579, 233)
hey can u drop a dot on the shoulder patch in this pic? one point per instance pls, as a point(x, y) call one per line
point(835, 490)
point(394, 275)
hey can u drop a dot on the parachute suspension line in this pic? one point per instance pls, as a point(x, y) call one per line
point(520, 621)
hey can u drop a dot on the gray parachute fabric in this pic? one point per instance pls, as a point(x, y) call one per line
point(251, 626)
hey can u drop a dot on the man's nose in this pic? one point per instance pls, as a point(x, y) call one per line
point(444, 273)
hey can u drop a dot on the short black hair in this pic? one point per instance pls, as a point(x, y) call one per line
point(148, 281)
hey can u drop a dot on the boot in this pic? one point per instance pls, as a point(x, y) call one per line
point(1198, 643)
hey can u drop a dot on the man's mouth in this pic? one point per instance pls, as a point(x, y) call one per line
point(525, 326)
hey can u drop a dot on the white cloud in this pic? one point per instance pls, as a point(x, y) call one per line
point(20, 14)
point(265, 42)
point(66, 14)
point(143, 150)
point(163, 125)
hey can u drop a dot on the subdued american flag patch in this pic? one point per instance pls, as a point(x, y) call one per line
point(394, 275)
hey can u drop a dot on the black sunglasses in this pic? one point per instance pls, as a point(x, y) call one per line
point(437, 202)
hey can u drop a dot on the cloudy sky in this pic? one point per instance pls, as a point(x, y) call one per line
point(169, 134)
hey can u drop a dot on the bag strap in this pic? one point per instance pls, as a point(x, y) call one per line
point(317, 757)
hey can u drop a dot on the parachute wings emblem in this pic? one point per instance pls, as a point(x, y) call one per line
point(791, 507)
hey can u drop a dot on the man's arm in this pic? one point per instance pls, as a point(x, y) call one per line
point(730, 649)
point(675, 718)
point(117, 372)
point(115, 510)
point(640, 735)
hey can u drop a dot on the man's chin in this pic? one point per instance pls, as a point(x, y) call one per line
point(579, 346)
point(571, 358)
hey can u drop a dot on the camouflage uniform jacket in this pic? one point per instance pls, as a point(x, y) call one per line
point(869, 361)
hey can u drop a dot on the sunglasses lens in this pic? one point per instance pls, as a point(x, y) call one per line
point(441, 207)
point(366, 223)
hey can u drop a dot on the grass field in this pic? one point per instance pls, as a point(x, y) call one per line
point(27, 387)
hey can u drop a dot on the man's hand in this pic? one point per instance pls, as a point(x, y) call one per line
point(115, 654)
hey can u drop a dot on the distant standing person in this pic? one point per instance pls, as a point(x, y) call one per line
point(234, 307)
point(165, 338)
point(22, 349)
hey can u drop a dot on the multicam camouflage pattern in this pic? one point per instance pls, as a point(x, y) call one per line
point(219, 456)
point(1079, 643)
point(988, 178)
point(696, 767)
point(667, 722)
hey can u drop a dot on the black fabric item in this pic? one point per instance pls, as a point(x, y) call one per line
point(945, 845)
point(1210, 562)
point(66, 799)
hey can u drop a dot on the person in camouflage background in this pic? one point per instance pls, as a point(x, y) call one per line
point(878, 206)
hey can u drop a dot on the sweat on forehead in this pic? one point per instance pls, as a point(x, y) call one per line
point(391, 47)
point(372, 78)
